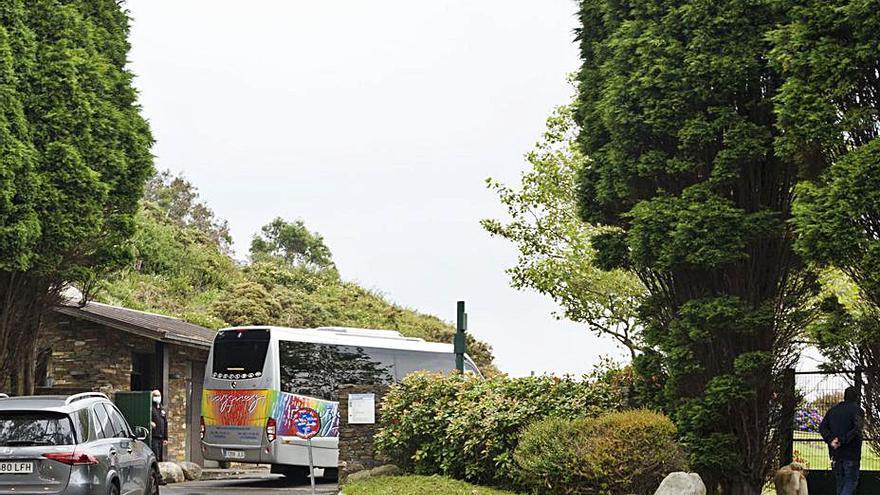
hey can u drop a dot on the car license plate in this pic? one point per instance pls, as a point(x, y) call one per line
point(16, 467)
point(234, 454)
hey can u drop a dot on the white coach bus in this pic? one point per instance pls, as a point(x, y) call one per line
point(256, 378)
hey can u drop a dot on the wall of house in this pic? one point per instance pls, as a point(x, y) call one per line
point(89, 356)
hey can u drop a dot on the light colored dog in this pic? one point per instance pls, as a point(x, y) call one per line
point(791, 480)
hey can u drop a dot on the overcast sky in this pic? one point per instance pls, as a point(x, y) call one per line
point(376, 122)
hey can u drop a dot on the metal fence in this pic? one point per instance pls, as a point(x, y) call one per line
point(814, 393)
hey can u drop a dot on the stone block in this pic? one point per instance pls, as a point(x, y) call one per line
point(682, 484)
point(191, 470)
point(171, 472)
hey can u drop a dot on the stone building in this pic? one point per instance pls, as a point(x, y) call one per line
point(110, 349)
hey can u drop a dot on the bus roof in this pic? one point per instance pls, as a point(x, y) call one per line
point(361, 337)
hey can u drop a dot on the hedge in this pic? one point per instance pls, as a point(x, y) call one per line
point(468, 428)
point(618, 453)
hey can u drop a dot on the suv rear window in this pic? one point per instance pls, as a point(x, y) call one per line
point(240, 353)
point(35, 428)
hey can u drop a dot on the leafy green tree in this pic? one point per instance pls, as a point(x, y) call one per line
point(180, 265)
point(75, 156)
point(177, 199)
point(292, 242)
point(676, 107)
point(829, 107)
point(556, 255)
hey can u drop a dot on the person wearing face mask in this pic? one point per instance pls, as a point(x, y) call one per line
point(159, 424)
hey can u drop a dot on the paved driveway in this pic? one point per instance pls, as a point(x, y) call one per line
point(264, 485)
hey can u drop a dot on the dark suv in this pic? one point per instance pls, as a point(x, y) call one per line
point(74, 445)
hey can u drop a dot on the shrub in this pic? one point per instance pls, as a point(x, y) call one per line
point(618, 453)
point(468, 428)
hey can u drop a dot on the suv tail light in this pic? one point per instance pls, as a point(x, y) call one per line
point(71, 458)
point(201, 427)
point(270, 429)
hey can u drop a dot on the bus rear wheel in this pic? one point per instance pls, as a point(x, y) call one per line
point(295, 474)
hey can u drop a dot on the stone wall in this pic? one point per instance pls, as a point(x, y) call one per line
point(90, 356)
point(356, 450)
point(179, 385)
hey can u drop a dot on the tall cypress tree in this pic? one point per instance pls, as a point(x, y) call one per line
point(73, 166)
point(677, 115)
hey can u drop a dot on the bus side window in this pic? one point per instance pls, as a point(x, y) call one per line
point(317, 370)
point(410, 361)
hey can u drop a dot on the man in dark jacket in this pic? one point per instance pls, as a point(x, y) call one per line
point(159, 422)
point(841, 429)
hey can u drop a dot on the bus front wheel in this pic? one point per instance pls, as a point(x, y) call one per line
point(295, 474)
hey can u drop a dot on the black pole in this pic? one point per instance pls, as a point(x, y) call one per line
point(789, 404)
point(459, 343)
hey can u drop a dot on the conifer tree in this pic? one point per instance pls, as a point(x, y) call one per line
point(677, 114)
point(74, 156)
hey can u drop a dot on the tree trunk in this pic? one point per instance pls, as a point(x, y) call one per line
point(24, 299)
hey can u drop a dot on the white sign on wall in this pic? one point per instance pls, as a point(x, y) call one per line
point(362, 409)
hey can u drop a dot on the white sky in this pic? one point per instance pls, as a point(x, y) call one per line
point(376, 122)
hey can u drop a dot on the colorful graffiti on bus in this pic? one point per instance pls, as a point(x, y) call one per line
point(251, 408)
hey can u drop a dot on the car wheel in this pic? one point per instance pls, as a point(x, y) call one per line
point(114, 488)
point(153, 482)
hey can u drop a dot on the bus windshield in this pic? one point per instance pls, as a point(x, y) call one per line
point(240, 353)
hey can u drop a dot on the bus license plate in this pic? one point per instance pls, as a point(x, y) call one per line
point(234, 454)
point(16, 467)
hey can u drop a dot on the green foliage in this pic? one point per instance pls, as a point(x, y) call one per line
point(416, 485)
point(828, 104)
point(247, 303)
point(74, 156)
point(468, 428)
point(628, 452)
point(92, 145)
point(177, 199)
point(292, 242)
point(556, 248)
point(677, 112)
point(183, 268)
point(839, 221)
point(829, 107)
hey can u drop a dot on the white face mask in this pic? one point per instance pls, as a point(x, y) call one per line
point(157, 399)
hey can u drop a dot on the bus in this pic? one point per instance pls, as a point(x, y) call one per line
point(257, 377)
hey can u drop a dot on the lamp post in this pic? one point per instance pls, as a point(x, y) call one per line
point(459, 343)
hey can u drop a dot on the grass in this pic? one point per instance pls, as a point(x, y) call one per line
point(811, 448)
point(416, 485)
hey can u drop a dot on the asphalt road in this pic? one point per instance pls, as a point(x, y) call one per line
point(248, 486)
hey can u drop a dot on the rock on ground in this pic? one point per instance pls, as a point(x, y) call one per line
point(682, 484)
point(171, 472)
point(191, 470)
point(386, 470)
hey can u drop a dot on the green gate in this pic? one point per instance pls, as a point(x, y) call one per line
point(135, 406)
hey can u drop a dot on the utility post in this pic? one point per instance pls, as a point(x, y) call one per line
point(459, 343)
